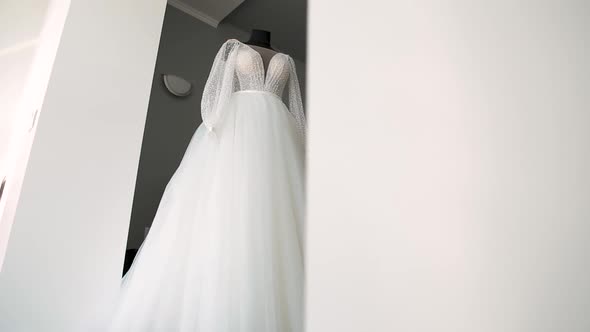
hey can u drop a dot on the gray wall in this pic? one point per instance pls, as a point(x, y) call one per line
point(187, 48)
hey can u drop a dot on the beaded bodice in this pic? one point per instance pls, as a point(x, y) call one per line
point(238, 67)
point(252, 76)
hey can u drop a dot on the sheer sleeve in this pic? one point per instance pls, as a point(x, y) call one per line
point(294, 95)
point(220, 84)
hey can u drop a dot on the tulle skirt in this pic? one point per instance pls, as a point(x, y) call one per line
point(225, 251)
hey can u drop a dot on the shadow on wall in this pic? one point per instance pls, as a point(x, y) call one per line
point(2, 188)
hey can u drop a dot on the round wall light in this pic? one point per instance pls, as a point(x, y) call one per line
point(177, 85)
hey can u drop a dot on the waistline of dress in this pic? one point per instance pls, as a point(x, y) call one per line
point(286, 109)
point(262, 92)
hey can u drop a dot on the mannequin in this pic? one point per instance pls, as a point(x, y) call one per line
point(260, 42)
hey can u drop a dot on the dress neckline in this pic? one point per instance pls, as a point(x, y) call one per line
point(264, 71)
point(252, 48)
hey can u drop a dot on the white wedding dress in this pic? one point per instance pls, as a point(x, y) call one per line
point(225, 251)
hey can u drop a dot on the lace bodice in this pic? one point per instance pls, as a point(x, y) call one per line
point(238, 67)
point(252, 76)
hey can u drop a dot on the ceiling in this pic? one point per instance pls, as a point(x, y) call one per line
point(285, 19)
point(208, 11)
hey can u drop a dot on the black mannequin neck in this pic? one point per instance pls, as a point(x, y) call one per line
point(260, 38)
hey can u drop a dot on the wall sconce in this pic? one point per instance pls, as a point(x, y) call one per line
point(177, 85)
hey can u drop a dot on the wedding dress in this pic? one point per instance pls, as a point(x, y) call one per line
point(225, 251)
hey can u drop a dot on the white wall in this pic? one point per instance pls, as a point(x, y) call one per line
point(30, 34)
point(21, 23)
point(66, 248)
point(449, 150)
